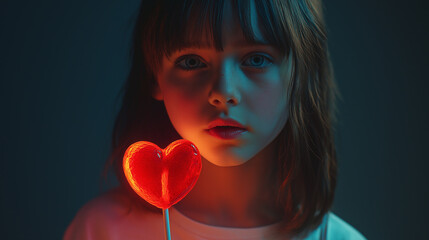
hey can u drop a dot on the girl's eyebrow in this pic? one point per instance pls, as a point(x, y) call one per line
point(245, 43)
point(240, 43)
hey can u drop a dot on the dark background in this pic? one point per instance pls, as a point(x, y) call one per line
point(63, 63)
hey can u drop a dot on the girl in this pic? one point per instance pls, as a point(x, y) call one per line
point(249, 82)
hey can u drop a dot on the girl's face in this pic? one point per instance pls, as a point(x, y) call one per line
point(246, 82)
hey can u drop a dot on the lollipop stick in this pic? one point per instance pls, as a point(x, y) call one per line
point(166, 224)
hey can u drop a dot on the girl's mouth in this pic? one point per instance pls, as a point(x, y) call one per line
point(226, 132)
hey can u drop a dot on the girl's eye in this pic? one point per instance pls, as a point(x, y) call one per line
point(257, 61)
point(189, 62)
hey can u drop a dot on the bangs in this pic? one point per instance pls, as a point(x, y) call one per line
point(177, 25)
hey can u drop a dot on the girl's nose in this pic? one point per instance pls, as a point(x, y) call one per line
point(225, 90)
point(223, 101)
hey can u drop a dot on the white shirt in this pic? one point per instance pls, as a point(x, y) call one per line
point(111, 217)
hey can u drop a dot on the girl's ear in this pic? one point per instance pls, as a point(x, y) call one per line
point(157, 94)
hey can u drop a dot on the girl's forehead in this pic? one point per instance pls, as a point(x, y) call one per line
point(231, 31)
point(182, 25)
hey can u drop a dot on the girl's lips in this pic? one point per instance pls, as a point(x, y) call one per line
point(228, 122)
point(226, 132)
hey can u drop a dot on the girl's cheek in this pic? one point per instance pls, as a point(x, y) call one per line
point(267, 105)
point(187, 86)
point(269, 100)
point(184, 104)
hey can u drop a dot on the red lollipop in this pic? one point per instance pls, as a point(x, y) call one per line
point(162, 177)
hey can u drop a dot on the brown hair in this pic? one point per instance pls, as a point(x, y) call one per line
point(307, 160)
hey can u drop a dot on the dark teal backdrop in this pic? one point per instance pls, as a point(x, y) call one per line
point(62, 64)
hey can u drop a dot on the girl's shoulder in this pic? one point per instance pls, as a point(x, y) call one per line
point(338, 229)
point(112, 215)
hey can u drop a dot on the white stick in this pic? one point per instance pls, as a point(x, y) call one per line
point(166, 224)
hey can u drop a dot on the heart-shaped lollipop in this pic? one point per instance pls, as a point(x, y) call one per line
point(162, 177)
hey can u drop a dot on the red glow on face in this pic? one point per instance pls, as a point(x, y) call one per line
point(162, 177)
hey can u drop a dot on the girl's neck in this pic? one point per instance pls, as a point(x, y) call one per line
point(241, 196)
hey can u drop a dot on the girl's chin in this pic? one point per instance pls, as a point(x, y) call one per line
point(225, 162)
